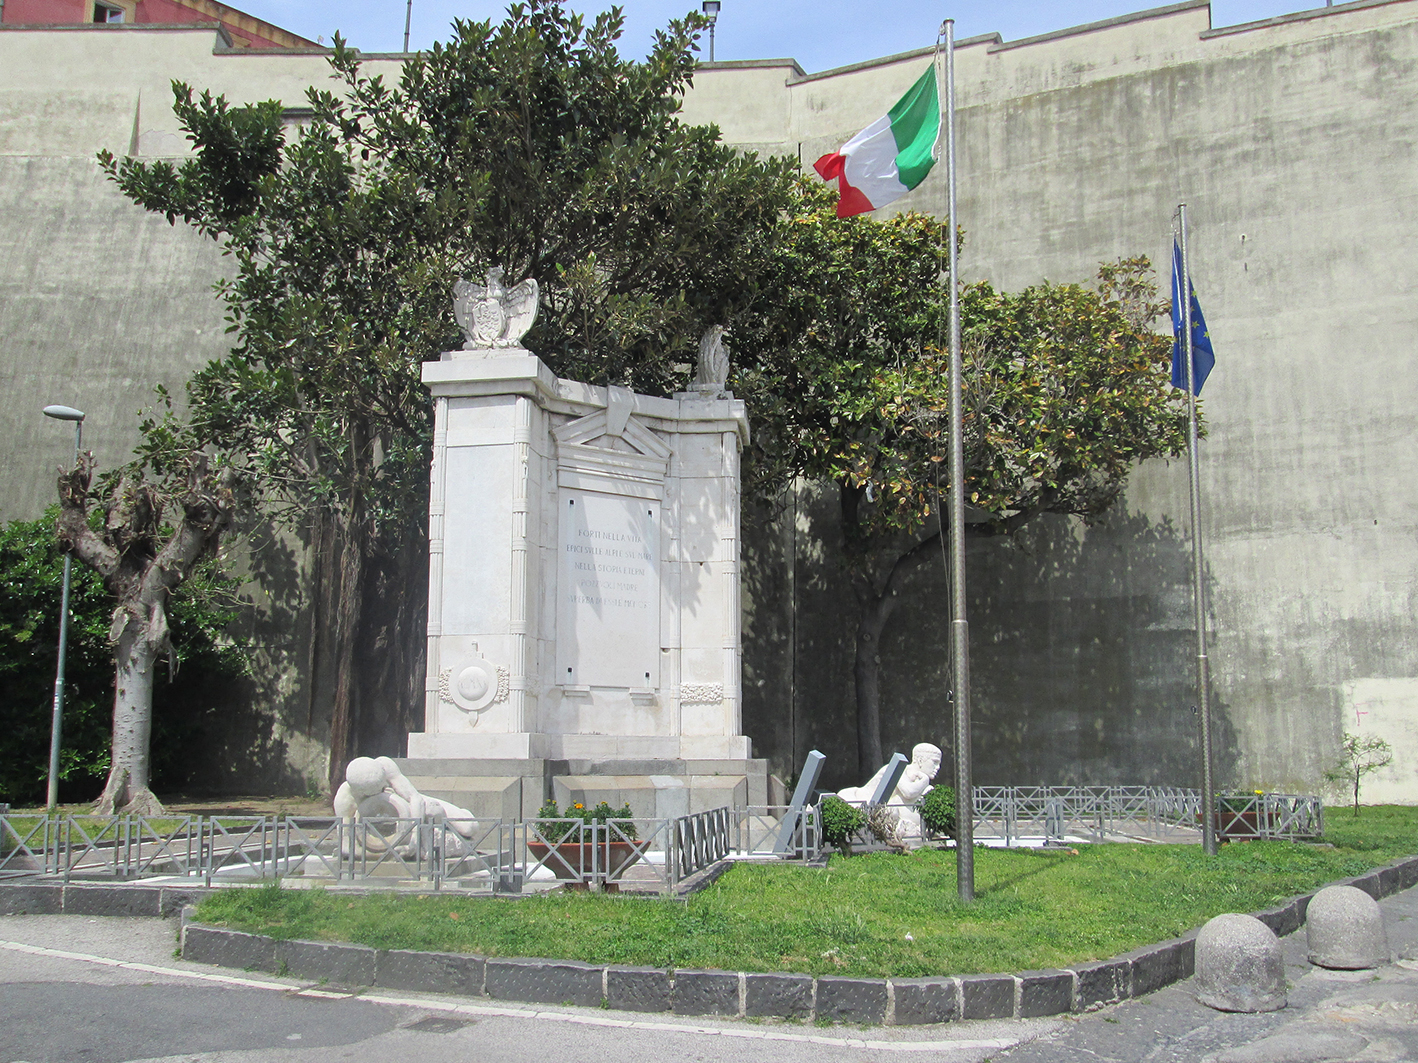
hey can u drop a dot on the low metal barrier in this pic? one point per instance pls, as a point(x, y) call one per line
point(651, 854)
point(493, 855)
point(1241, 817)
point(776, 830)
point(1011, 814)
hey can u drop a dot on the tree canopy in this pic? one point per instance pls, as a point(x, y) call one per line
point(529, 145)
point(532, 146)
point(1066, 388)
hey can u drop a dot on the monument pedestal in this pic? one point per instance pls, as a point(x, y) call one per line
point(583, 619)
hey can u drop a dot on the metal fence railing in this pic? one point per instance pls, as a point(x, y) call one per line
point(493, 855)
point(502, 856)
point(1268, 816)
point(1009, 815)
point(776, 830)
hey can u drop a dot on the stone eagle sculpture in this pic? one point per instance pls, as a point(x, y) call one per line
point(713, 372)
point(492, 315)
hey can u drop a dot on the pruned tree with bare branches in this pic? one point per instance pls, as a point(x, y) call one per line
point(141, 561)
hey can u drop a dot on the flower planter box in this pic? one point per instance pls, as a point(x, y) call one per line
point(572, 861)
point(1239, 826)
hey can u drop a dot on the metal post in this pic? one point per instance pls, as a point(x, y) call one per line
point(56, 727)
point(959, 627)
point(408, 18)
point(1203, 670)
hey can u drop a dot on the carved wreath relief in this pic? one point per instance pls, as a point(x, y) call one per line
point(701, 693)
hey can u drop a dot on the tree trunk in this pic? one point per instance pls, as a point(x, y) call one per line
point(874, 611)
point(394, 643)
point(126, 791)
point(347, 617)
point(874, 581)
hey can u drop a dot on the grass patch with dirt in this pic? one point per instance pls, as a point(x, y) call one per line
point(867, 916)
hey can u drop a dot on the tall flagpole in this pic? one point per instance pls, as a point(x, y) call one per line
point(1203, 668)
point(959, 627)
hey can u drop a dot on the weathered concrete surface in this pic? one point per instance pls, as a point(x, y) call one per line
point(1331, 1015)
point(1293, 144)
point(1238, 965)
point(1345, 930)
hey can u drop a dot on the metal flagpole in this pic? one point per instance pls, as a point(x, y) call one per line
point(1203, 669)
point(959, 627)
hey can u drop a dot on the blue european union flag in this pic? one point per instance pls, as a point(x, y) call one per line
point(1203, 357)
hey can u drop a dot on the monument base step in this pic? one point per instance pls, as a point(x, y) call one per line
point(511, 789)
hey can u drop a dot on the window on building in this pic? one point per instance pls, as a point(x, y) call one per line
point(105, 13)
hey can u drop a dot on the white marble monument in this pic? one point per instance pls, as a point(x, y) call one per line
point(583, 613)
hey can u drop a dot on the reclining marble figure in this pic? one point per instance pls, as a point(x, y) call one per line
point(375, 788)
point(914, 784)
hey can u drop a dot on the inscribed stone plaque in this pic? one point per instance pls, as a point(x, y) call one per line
point(608, 590)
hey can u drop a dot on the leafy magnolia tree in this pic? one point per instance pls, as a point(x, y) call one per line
point(203, 659)
point(1066, 389)
point(141, 560)
point(529, 145)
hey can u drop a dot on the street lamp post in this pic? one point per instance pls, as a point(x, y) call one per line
point(711, 8)
point(61, 413)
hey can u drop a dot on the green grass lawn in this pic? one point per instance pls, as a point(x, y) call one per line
point(1034, 909)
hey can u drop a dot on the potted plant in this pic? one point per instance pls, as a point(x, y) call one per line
point(1240, 817)
point(562, 843)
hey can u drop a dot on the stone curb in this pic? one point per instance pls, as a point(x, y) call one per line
point(23, 897)
point(887, 1001)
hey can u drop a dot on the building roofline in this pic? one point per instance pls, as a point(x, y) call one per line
point(238, 18)
point(226, 45)
point(207, 26)
point(995, 43)
point(899, 57)
point(1107, 23)
point(1298, 16)
point(749, 64)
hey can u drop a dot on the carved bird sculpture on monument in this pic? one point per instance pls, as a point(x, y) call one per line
point(492, 315)
point(713, 370)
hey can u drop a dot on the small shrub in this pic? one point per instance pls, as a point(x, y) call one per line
point(1360, 755)
point(840, 821)
point(554, 825)
point(937, 810)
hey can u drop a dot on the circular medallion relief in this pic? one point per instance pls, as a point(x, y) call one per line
point(473, 685)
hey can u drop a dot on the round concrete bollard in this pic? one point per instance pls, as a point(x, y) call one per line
point(1238, 965)
point(1346, 930)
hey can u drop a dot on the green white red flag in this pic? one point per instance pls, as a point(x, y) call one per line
point(889, 157)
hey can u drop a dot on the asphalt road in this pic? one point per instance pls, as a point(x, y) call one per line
point(85, 990)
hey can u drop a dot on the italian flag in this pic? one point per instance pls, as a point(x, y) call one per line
point(889, 157)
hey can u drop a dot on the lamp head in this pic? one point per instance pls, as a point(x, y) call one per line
point(64, 413)
point(711, 8)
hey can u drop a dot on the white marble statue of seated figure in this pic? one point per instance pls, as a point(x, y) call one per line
point(914, 784)
point(375, 788)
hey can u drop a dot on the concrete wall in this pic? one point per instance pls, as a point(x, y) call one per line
point(1292, 141)
point(100, 301)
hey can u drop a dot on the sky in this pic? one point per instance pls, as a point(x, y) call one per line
point(819, 34)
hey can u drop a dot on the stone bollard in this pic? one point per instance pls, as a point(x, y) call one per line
point(1238, 965)
point(1346, 930)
